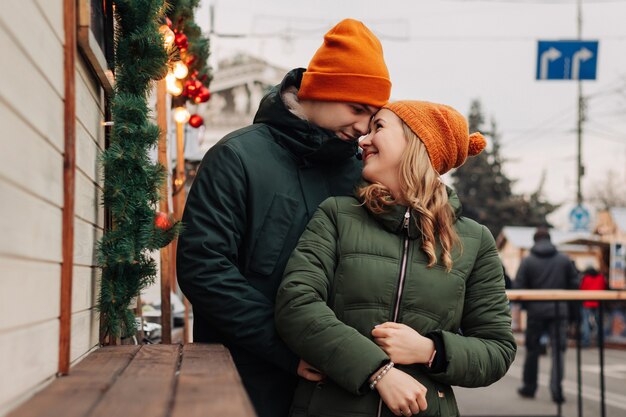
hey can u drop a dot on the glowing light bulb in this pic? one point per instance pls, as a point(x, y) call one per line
point(180, 70)
point(168, 35)
point(181, 115)
point(173, 86)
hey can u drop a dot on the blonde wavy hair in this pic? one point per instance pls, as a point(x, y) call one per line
point(421, 188)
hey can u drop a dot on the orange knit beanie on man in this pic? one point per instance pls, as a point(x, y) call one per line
point(348, 67)
point(442, 130)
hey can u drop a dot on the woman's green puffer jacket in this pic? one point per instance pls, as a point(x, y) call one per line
point(343, 279)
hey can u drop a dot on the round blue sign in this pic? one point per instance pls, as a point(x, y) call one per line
point(579, 217)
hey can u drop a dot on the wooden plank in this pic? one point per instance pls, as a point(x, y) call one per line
point(69, 182)
point(146, 386)
point(209, 385)
point(24, 365)
point(45, 112)
point(165, 254)
point(33, 225)
point(84, 386)
point(28, 159)
point(30, 289)
point(29, 29)
point(542, 295)
point(88, 201)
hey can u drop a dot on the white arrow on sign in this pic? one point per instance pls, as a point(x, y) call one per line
point(547, 56)
point(582, 54)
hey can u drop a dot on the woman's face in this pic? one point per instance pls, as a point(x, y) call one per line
point(383, 149)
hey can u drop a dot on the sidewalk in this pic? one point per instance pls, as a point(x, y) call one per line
point(501, 398)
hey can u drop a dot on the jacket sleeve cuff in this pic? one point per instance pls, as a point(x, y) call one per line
point(439, 362)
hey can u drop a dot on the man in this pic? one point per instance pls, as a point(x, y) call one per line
point(545, 268)
point(254, 194)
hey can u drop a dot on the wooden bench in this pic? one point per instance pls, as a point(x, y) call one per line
point(147, 380)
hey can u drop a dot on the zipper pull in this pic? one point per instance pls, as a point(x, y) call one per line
point(407, 216)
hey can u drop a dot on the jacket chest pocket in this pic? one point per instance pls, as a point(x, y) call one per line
point(271, 238)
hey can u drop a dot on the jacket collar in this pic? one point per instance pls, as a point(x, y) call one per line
point(307, 141)
point(392, 220)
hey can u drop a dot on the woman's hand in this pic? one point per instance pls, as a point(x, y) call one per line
point(309, 373)
point(402, 393)
point(404, 345)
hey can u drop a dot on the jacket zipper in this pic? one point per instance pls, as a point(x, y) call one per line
point(405, 256)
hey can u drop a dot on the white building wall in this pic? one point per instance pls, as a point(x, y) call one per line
point(31, 198)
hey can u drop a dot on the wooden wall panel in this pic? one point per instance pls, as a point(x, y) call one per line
point(31, 227)
point(84, 333)
point(36, 101)
point(24, 363)
point(86, 237)
point(88, 201)
point(35, 40)
point(28, 160)
point(30, 292)
point(85, 288)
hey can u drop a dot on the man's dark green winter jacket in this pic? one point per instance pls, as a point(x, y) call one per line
point(254, 193)
point(343, 279)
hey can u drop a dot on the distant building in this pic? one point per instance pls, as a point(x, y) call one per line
point(239, 83)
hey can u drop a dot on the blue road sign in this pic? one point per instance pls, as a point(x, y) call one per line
point(567, 60)
point(579, 218)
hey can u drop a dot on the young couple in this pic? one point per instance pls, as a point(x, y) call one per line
point(344, 287)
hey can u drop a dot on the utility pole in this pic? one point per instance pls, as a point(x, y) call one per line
point(581, 115)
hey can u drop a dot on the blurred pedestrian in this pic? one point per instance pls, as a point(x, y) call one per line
point(545, 268)
point(592, 280)
point(393, 294)
point(256, 190)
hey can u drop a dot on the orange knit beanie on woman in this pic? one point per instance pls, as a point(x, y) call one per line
point(348, 67)
point(442, 130)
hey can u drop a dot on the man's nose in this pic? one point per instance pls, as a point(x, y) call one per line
point(362, 126)
point(365, 141)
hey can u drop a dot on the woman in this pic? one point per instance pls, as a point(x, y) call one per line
point(393, 295)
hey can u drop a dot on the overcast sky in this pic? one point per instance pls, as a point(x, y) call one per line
point(454, 51)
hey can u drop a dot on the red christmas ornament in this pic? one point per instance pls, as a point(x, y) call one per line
point(202, 96)
point(163, 221)
point(180, 39)
point(196, 121)
point(192, 87)
point(189, 60)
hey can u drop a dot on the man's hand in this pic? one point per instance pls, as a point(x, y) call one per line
point(404, 345)
point(402, 393)
point(309, 373)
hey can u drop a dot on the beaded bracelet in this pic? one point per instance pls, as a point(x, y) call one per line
point(380, 375)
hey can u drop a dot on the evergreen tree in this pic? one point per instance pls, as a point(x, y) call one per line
point(485, 190)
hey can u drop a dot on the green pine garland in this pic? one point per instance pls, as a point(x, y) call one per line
point(132, 182)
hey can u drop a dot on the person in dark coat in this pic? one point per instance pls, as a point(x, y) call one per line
point(256, 190)
point(545, 268)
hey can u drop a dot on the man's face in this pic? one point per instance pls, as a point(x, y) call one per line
point(348, 121)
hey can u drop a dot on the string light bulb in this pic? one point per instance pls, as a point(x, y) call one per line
point(180, 70)
point(181, 115)
point(168, 35)
point(173, 85)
